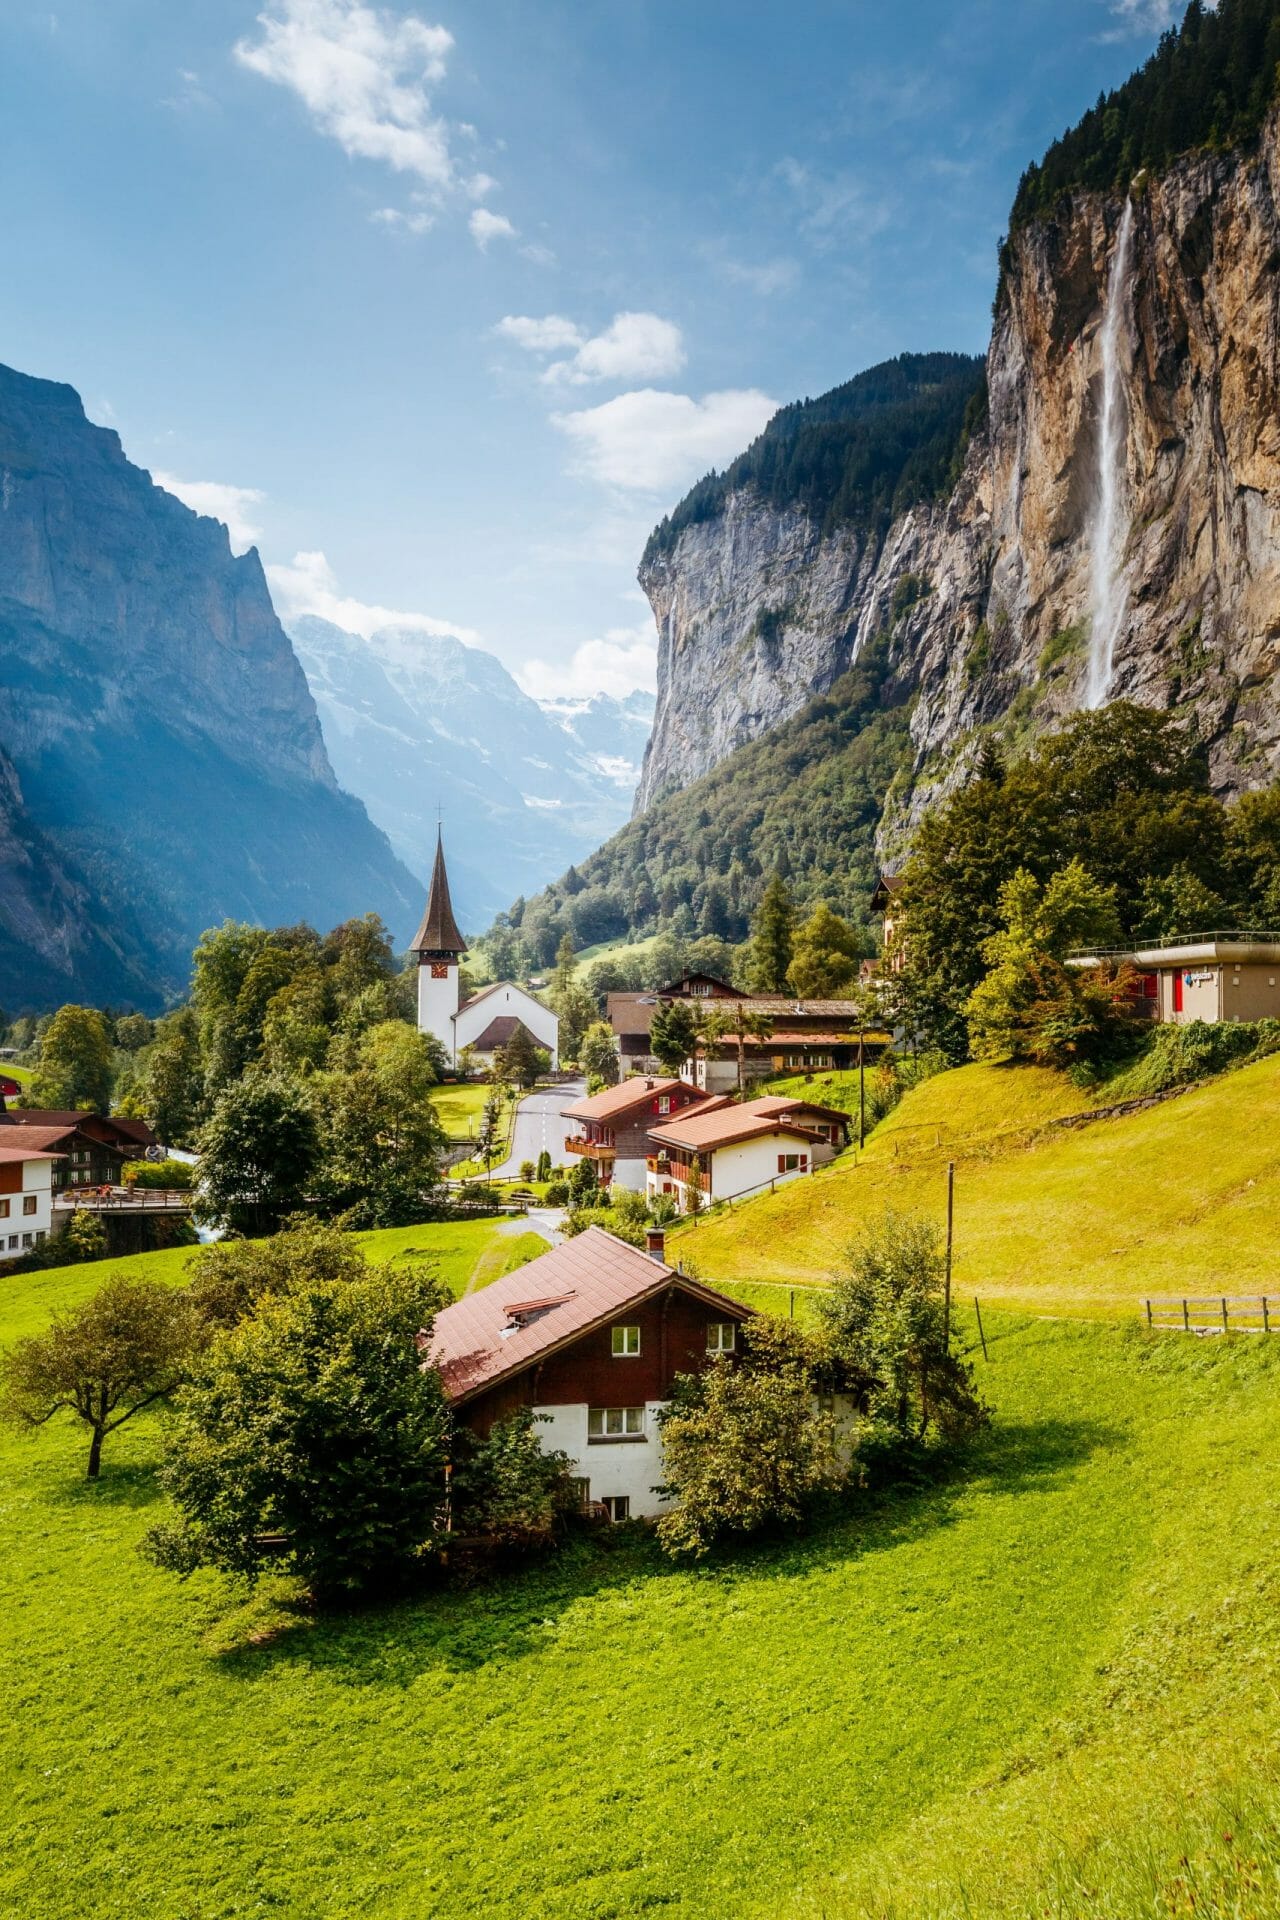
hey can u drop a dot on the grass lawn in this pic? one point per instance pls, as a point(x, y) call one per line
point(462, 1250)
point(1051, 1671)
point(1182, 1198)
point(460, 1107)
point(23, 1075)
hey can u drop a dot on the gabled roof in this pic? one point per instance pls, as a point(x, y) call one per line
point(704, 1132)
point(679, 989)
point(14, 1155)
point(35, 1138)
point(636, 1092)
point(783, 1103)
point(498, 1033)
point(584, 1283)
point(439, 930)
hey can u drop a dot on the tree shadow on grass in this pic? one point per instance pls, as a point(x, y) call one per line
point(513, 1612)
point(128, 1485)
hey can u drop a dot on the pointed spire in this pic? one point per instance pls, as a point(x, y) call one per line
point(438, 935)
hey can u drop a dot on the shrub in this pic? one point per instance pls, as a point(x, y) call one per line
point(580, 1218)
point(506, 1485)
point(159, 1173)
point(1175, 1056)
point(558, 1193)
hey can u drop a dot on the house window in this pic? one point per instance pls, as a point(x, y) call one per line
point(626, 1342)
point(28, 1240)
point(793, 1162)
point(4, 1209)
point(29, 1203)
point(664, 1103)
point(618, 1506)
point(720, 1334)
point(615, 1423)
point(13, 1241)
point(581, 1491)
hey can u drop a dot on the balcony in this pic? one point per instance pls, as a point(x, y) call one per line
point(590, 1149)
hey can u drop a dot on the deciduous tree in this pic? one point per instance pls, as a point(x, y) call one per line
point(76, 1066)
point(312, 1436)
point(258, 1153)
point(124, 1349)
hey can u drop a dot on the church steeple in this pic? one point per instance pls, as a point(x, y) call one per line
point(438, 936)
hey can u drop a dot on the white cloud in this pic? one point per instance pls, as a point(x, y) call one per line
point(772, 276)
point(1148, 16)
point(234, 506)
point(634, 346)
point(552, 334)
point(309, 585)
point(486, 226)
point(661, 442)
point(834, 208)
point(626, 658)
point(415, 219)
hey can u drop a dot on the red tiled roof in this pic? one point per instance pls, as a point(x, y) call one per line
point(620, 1099)
point(11, 1156)
point(706, 1131)
point(575, 1287)
point(775, 1103)
point(35, 1138)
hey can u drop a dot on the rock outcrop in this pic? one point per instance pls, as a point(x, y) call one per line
point(163, 761)
point(988, 596)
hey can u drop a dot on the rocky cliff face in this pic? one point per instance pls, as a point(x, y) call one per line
point(163, 760)
point(993, 598)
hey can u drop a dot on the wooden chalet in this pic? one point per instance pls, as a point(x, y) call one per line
point(614, 1125)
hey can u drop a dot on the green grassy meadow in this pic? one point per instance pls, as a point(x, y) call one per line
point(1052, 1668)
point(1181, 1198)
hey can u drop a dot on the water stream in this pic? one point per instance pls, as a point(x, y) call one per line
point(1106, 534)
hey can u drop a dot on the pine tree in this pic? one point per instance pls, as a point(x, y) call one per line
point(772, 939)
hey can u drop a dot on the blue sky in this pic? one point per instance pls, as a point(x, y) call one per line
point(443, 306)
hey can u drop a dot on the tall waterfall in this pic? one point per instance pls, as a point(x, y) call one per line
point(1106, 534)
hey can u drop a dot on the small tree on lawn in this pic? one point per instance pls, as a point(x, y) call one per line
point(85, 1237)
point(312, 1435)
point(258, 1153)
point(520, 1061)
point(673, 1036)
point(598, 1054)
point(124, 1349)
point(544, 1165)
point(744, 1446)
point(884, 1314)
point(584, 1183)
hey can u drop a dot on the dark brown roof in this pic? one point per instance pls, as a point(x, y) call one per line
point(439, 930)
point(498, 1033)
point(579, 1285)
point(13, 1155)
point(37, 1138)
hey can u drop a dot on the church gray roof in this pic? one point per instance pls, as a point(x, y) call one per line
point(439, 930)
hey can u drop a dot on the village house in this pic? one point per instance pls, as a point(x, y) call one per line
point(1206, 976)
point(90, 1149)
point(26, 1196)
point(795, 1036)
point(613, 1126)
point(489, 1018)
point(590, 1338)
point(741, 1147)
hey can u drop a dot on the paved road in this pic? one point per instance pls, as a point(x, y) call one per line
point(539, 1124)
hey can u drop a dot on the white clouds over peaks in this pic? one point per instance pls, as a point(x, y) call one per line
point(310, 585)
point(365, 75)
point(625, 659)
point(486, 226)
point(1149, 16)
point(656, 442)
point(634, 346)
point(234, 506)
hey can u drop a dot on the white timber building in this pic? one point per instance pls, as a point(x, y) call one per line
point(26, 1199)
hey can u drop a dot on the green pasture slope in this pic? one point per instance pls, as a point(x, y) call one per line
point(1052, 1669)
point(1181, 1198)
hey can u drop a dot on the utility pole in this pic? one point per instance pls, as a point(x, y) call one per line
point(951, 1213)
point(862, 1079)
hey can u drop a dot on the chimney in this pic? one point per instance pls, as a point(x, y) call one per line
point(655, 1244)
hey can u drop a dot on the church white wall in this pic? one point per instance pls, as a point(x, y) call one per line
point(438, 1003)
point(507, 1000)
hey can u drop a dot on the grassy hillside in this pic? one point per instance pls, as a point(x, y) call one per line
point(467, 1253)
point(1037, 1673)
point(1181, 1198)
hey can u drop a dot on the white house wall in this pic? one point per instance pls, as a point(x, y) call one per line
point(19, 1231)
point(630, 1174)
point(631, 1468)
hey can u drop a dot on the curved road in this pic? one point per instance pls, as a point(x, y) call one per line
point(539, 1124)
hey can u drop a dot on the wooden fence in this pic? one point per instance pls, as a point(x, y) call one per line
point(1215, 1313)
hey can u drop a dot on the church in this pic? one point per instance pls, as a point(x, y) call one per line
point(489, 1018)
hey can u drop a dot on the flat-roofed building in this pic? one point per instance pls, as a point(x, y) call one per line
point(1201, 976)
